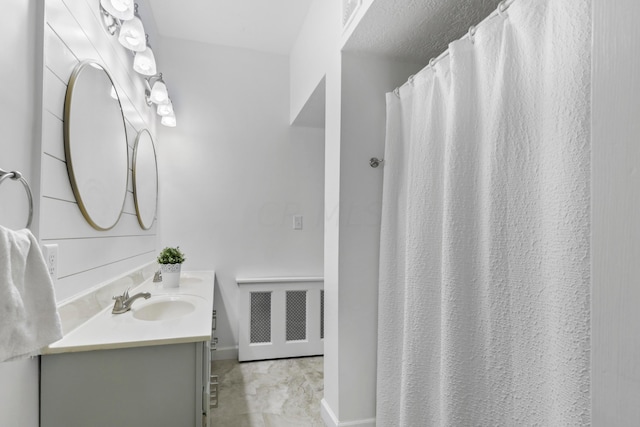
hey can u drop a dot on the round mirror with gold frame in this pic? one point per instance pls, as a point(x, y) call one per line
point(95, 143)
point(145, 179)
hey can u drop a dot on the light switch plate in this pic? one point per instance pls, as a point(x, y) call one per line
point(297, 222)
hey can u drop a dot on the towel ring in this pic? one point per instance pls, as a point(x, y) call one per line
point(17, 176)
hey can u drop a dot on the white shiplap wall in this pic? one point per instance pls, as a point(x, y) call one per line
point(86, 257)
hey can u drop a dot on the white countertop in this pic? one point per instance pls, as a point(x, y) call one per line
point(110, 331)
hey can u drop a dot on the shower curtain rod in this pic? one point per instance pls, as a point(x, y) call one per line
point(500, 10)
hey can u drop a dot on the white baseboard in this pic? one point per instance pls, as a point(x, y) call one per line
point(330, 419)
point(225, 353)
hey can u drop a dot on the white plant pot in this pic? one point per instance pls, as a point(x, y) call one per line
point(170, 275)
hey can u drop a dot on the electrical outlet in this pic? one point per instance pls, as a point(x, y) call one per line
point(297, 222)
point(50, 253)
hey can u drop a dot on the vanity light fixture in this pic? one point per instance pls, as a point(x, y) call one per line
point(157, 91)
point(121, 16)
point(111, 24)
point(132, 35)
point(119, 9)
point(169, 120)
point(165, 109)
point(145, 62)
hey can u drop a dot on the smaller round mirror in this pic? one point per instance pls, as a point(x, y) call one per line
point(95, 143)
point(145, 179)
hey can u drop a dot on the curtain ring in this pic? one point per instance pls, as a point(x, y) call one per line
point(432, 63)
point(396, 92)
point(502, 9)
point(411, 77)
point(472, 34)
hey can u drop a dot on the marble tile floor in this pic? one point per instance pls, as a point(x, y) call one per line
point(269, 393)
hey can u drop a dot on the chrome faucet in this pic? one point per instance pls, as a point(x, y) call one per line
point(123, 302)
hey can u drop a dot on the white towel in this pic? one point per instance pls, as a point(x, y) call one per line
point(29, 318)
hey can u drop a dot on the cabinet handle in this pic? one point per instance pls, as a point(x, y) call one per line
point(214, 320)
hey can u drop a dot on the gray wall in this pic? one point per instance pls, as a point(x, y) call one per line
point(19, 119)
point(615, 372)
point(234, 173)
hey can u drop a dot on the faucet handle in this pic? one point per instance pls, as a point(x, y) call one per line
point(157, 277)
point(119, 302)
point(122, 297)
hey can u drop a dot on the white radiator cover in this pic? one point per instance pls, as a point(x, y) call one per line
point(280, 317)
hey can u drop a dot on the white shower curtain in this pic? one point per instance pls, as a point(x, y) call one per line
point(484, 265)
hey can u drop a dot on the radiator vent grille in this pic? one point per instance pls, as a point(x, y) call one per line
point(280, 317)
point(260, 317)
point(296, 315)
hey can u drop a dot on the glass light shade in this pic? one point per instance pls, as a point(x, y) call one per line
point(145, 62)
point(165, 109)
point(121, 9)
point(169, 120)
point(132, 35)
point(159, 94)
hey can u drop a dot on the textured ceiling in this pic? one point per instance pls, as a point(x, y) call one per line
point(268, 26)
point(416, 30)
point(413, 30)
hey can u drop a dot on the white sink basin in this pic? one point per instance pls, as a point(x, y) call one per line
point(166, 307)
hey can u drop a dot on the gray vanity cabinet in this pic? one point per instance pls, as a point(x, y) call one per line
point(150, 386)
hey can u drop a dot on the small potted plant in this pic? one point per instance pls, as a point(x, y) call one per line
point(170, 260)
